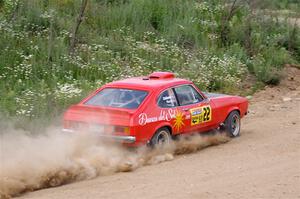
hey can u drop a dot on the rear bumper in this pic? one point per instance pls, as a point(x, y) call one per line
point(119, 138)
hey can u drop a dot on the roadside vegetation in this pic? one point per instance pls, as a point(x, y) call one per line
point(54, 52)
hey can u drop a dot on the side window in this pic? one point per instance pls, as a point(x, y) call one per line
point(187, 95)
point(167, 99)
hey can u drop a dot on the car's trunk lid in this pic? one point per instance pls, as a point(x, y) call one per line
point(98, 115)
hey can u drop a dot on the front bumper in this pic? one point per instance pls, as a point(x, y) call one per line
point(119, 138)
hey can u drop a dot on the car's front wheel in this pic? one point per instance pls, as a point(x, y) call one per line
point(232, 124)
point(161, 137)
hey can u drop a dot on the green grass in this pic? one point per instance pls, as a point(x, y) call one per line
point(122, 38)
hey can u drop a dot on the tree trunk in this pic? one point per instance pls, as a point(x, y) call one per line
point(50, 41)
point(248, 30)
point(225, 23)
point(76, 27)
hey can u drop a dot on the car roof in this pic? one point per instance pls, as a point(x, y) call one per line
point(147, 83)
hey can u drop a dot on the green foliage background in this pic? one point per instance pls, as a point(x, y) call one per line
point(123, 38)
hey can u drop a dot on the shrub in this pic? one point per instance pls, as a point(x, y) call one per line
point(124, 38)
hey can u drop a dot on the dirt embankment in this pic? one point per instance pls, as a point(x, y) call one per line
point(264, 162)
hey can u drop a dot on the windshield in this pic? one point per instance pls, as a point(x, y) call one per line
point(116, 97)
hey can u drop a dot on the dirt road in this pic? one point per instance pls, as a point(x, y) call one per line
point(264, 162)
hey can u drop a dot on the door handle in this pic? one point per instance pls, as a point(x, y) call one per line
point(185, 109)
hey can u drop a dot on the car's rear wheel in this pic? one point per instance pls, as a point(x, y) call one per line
point(161, 137)
point(232, 124)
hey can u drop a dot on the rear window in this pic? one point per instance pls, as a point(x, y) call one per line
point(116, 97)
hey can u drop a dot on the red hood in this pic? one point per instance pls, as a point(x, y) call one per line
point(99, 115)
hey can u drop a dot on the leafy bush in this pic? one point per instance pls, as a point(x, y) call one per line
point(124, 38)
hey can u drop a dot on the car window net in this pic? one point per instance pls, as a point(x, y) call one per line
point(167, 99)
point(187, 95)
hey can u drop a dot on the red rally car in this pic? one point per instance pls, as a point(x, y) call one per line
point(153, 109)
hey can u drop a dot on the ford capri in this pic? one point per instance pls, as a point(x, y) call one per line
point(153, 109)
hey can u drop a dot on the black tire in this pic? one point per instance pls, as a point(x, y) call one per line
point(161, 137)
point(232, 124)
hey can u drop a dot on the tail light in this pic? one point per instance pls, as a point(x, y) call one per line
point(108, 129)
point(122, 129)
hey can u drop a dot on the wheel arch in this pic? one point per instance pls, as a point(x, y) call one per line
point(235, 108)
point(163, 125)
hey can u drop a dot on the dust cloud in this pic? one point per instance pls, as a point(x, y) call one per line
point(52, 158)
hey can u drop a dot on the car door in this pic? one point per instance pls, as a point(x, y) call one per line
point(169, 111)
point(195, 107)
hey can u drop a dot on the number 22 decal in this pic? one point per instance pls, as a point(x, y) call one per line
point(206, 114)
point(200, 115)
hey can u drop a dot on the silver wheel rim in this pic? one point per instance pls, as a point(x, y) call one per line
point(235, 125)
point(163, 138)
